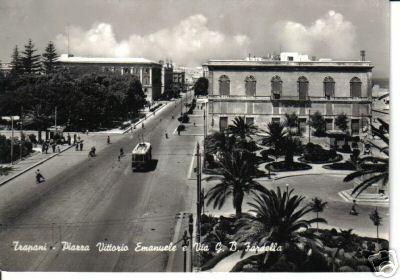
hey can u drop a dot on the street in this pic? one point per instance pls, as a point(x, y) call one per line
point(99, 200)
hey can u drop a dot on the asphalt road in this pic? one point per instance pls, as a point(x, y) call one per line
point(89, 201)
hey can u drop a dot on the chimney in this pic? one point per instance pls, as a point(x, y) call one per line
point(362, 54)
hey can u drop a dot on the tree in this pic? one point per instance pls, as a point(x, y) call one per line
point(236, 173)
point(275, 136)
point(50, 57)
point(342, 122)
point(376, 220)
point(289, 147)
point(16, 62)
point(373, 169)
point(30, 60)
point(241, 129)
point(292, 123)
point(317, 206)
point(317, 122)
point(275, 217)
point(201, 86)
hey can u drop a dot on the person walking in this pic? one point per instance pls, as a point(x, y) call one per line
point(39, 177)
point(77, 146)
point(69, 139)
point(108, 139)
point(74, 138)
point(81, 145)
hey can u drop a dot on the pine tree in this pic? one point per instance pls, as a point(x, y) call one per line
point(30, 60)
point(16, 63)
point(49, 58)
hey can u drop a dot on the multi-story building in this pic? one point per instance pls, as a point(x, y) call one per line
point(167, 77)
point(147, 71)
point(265, 90)
point(179, 79)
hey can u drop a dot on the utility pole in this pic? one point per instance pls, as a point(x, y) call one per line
point(12, 139)
point(309, 127)
point(191, 242)
point(185, 244)
point(55, 122)
point(21, 133)
point(198, 231)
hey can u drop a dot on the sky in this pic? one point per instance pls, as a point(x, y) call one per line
point(189, 32)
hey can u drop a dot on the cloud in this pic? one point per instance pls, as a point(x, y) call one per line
point(189, 42)
point(331, 36)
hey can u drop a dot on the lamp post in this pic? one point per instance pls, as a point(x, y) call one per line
point(309, 127)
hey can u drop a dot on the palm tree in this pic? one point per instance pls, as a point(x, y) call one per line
point(236, 172)
point(276, 217)
point(220, 142)
point(373, 169)
point(377, 220)
point(289, 147)
point(241, 129)
point(275, 135)
point(317, 206)
point(292, 123)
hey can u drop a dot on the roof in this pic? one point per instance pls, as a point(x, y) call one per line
point(141, 148)
point(287, 64)
point(64, 58)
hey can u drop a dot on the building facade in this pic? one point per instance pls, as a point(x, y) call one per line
point(264, 91)
point(179, 80)
point(148, 72)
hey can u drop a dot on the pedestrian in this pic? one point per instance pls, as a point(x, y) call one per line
point(79, 139)
point(142, 125)
point(74, 138)
point(39, 177)
point(108, 139)
point(46, 147)
point(77, 146)
point(58, 149)
point(69, 139)
point(87, 131)
point(194, 123)
point(43, 148)
point(53, 147)
point(81, 145)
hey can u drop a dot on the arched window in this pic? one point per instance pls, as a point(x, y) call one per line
point(355, 87)
point(276, 87)
point(250, 85)
point(329, 87)
point(224, 85)
point(302, 88)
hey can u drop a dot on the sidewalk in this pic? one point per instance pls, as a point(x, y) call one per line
point(34, 159)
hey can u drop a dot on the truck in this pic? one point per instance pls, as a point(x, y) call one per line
point(141, 156)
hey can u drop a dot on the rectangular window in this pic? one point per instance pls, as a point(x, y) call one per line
point(302, 124)
point(223, 123)
point(329, 124)
point(250, 120)
point(355, 126)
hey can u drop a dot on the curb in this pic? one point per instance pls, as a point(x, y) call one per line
point(33, 166)
point(143, 119)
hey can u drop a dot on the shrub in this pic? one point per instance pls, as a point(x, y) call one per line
point(316, 154)
point(32, 138)
point(184, 118)
point(181, 127)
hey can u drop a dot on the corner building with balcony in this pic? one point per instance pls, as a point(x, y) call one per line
point(263, 91)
